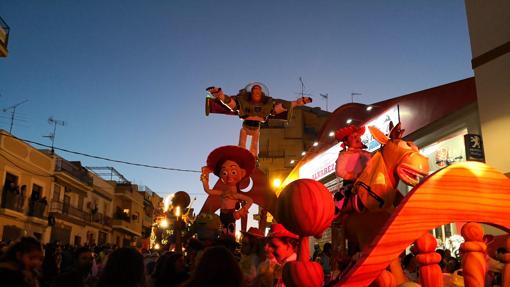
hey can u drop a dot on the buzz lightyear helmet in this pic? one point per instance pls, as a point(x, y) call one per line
point(265, 90)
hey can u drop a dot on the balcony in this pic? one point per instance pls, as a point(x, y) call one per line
point(37, 208)
point(13, 200)
point(121, 215)
point(68, 211)
point(4, 37)
point(73, 170)
point(101, 219)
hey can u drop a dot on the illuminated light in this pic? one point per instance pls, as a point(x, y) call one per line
point(315, 143)
point(126, 210)
point(303, 153)
point(331, 134)
point(167, 202)
point(164, 223)
point(238, 235)
point(277, 182)
point(177, 211)
point(156, 246)
point(348, 121)
point(292, 161)
point(369, 108)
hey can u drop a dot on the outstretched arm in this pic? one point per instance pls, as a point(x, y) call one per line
point(225, 99)
point(205, 182)
point(301, 101)
point(284, 106)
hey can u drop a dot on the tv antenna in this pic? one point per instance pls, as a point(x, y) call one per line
point(302, 94)
point(325, 97)
point(13, 112)
point(354, 94)
point(51, 136)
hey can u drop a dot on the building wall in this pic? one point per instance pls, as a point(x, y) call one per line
point(489, 30)
point(280, 144)
point(32, 168)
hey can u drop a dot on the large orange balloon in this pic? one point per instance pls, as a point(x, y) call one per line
point(305, 207)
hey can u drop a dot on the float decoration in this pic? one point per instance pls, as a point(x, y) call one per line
point(254, 106)
point(256, 187)
point(434, 202)
point(428, 259)
point(305, 207)
point(474, 263)
point(231, 164)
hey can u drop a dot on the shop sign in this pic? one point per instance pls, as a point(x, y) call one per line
point(321, 165)
point(474, 147)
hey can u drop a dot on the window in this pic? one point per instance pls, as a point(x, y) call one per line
point(10, 179)
point(136, 215)
point(36, 192)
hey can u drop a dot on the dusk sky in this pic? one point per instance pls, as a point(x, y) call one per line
point(129, 77)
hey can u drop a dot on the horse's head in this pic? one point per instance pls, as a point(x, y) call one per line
point(401, 157)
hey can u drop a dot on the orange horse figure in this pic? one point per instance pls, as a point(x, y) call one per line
point(376, 187)
point(374, 194)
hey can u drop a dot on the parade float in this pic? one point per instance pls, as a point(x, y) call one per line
point(378, 220)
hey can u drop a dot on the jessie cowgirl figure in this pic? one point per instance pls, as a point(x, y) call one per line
point(231, 164)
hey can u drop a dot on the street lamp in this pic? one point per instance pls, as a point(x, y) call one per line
point(277, 183)
point(164, 223)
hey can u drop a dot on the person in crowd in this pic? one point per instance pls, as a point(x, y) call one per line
point(284, 244)
point(51, 264)
point(80, 275)
point(170, 270)
point(268, 268)
point(325, 261)
point(316, 252)
point(67, 258)
point(18, 263)
point(217, 267)
point(194, 249)
point(410, 267)
point(124, 268)
point(250, 258)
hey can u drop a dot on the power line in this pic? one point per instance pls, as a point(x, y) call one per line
point(105, 158)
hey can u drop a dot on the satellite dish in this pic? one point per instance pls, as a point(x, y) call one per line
point(181, 199)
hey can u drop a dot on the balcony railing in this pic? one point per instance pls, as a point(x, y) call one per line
point(68, 210)
point(74, 171)
point(37, 208)
point(71, 211)
point(13, 200)
point(101, 219)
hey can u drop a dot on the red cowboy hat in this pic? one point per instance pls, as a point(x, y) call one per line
point(253, 231)
point(343, 133)
point(278, 231)
point(237, 154)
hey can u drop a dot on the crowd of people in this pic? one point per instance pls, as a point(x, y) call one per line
point(257, 261)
